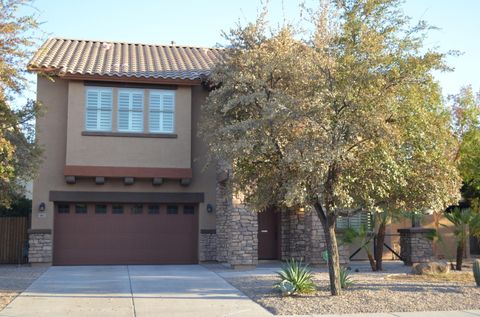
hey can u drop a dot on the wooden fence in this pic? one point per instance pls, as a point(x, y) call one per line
point(13, 238)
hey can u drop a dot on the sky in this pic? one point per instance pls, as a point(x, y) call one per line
point(200, 23)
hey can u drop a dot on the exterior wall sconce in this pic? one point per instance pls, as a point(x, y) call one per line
point(209, 208)
point(41, 207)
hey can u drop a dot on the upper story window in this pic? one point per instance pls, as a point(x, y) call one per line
point(98, 109)
point(130, 110)
point(161, 111)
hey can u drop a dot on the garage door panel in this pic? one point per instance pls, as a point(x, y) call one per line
point(132, 237)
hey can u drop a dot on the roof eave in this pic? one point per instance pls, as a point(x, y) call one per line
point(116, 78)
point(133, 79)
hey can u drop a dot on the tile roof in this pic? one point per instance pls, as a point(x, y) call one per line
point(82, 57)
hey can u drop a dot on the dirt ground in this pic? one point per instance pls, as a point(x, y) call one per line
point(14, 279)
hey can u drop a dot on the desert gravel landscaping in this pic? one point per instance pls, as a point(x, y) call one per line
point(15, 279)
point(371, 293)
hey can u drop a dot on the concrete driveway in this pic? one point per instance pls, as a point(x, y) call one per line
point(140, 291)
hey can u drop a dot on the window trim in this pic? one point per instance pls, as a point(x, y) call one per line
point(171, 211)
point(188, 210)
point(162, 92)
point(153, 209)
point(130, 111)
point(81, 212)
point(118, 211)
point(136, 211)
point(130, 134)
point(60, 210)
point(98, 109)
point(97, 212)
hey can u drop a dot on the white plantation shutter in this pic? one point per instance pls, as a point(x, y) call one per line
point(356, 221)
point(98, 114)
point(162, 111)
point(130, 110)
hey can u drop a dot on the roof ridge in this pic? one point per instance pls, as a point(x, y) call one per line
point(132, 43)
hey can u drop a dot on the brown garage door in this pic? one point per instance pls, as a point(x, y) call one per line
point(125, 234)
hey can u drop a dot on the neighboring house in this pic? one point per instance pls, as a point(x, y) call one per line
point(124, 177)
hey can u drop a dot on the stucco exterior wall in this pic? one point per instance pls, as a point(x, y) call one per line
point(58, 98)
point(137, 152)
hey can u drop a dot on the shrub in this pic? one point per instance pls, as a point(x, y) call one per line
point(345, 278)
point(295, 277)
point(476, 271)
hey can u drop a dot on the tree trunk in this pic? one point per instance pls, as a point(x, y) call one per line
point(333, 256)
point(460, 250)
point(370, 259)
point(328, 224)
point(379, 245)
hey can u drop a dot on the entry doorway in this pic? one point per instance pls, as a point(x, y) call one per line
point(269, 234)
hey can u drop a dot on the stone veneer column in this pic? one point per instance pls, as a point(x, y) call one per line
point(303, 238)
point(40, 246)
point(294, 240)
point(415, 247)
point(236, 226)
point(242, 236)
point(223, 201)
point(208, 245)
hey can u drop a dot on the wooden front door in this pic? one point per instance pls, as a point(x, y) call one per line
point(269, 235)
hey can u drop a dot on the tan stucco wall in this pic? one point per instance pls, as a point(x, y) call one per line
point(52, 135)
point(138, 152)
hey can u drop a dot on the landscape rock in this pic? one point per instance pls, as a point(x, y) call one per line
point(434, 267)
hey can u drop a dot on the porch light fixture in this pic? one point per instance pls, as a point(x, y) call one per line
point(209, 208)
point(41, 207)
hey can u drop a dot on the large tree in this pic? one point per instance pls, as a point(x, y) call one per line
point(466, 125)
point(19, 154)
point(347, 119)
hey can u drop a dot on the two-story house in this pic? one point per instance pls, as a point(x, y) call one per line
point(124, 177)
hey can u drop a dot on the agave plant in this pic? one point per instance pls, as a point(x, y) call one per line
point(345, 278)
point(295, 277)
point(286, 287)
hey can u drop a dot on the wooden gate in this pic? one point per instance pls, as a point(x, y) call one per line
point(13, 240)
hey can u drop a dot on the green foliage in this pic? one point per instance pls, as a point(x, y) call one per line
point(466, 125)
point(346, 118)
point(364, 237)
point(19, 154)
point(476, 271)
point(286, 287)
point(466, 222)
point(345, 278)
point(295, 277)
point(21, 207)
point(325, 255)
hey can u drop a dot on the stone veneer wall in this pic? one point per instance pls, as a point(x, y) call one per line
point(415, 247)
point(293, 242)
point(223, 202)
point(208, 245)
point(40, 246)
point(303, 238)
point(242, 235)
point(236, 226)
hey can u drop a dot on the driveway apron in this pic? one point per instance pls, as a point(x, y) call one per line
point(139, 291)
